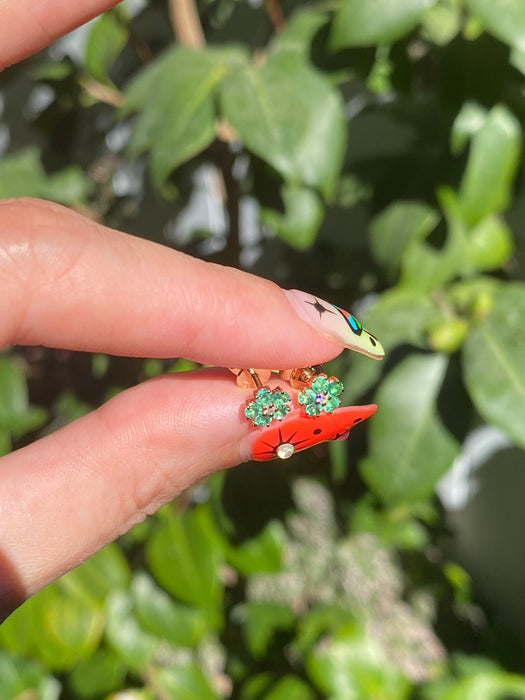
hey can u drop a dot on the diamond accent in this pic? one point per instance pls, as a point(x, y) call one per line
point(285, 451)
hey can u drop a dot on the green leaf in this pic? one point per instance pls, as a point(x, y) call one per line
point(358, 23)
point(423, 267)
point(105, 571)
point(503, 18)
point(160, 615)
point(448, 334)
point(17, 417)
point(494, 363)
point(352, 666)
point(184, 682)
point(133, 645)
point(396, 526)
point(302, 217)
point(469, 121)
point(25, 678)
point(260, 621)
point(396, 227)
point(290, 688)
point(410, 447)
point(22, 175)
point(260, 554)
point(486, 186)
point(105, 41)
point(184, 557)
point(318, 622)
point(400, 316)
point(290, 116)
point(72, 631)
point(490, 244)
point(442, 22)
point(489, 685)
point(97, 675)
point(177, 120)
point(298, 33)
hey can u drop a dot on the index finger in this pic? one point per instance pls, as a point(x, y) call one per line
point(71, 283)
point(29, 25)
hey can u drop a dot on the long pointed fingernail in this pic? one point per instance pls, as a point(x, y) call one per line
point(335, 324)
point(298, 432)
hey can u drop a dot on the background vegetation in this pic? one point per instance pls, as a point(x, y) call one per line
point(369, 152)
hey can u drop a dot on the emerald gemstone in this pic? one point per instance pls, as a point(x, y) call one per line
point(250, 411)
point(320, 384)
point(313, 410)
point(331, 404)
point(335, 388)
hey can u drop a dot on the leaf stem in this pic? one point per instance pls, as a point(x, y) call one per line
point(275, 13)
point(186, 24)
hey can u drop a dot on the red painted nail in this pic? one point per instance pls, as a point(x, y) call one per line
point(298, 431)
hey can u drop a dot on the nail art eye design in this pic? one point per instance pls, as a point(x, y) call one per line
point(352, 321)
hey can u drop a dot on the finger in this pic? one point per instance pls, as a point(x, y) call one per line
point(70, 493)
point(71, 283)
point(29, 25)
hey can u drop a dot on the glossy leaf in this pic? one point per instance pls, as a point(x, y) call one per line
point(493, 160)
point(468, 122)
point(494, 363)
point(424, 267)
point(106, 39)
point(160, 615)
point(72, 631)
point(351, 666)
point(290, 116)
point(20, 678)
point(178, 121)
point(490, 244)
point(263, 553)
point(399, 225)
point(299, 223)
point(55, 628)
point(97, 675)
point(442, 22)
point(261, 621)
point(489, 685)
point(184, 558)
point(290, 688)
point(105, 571)
point(22, 175)
point(358, 23)
point(133, 645)
point(319, 622)
point(504, 18)
point(184, 682)
point(410, 447)
point(299, 31)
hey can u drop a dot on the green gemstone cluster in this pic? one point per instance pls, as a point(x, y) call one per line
point(267, 405)
point(321, 396)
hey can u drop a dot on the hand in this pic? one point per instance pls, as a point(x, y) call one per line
point(70, 283)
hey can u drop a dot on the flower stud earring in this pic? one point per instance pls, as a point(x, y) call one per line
point(268, 405)
point(322, 395)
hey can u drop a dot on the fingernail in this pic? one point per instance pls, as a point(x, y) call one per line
point(335, 324)
point(282, 439)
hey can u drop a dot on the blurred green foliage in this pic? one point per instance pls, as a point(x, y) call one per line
point(379, 144)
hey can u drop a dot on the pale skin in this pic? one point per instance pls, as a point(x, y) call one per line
point(67, 282)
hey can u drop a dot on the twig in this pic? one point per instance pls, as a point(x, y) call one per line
point(275, 13)
point(101, 92)
point(186, 23)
